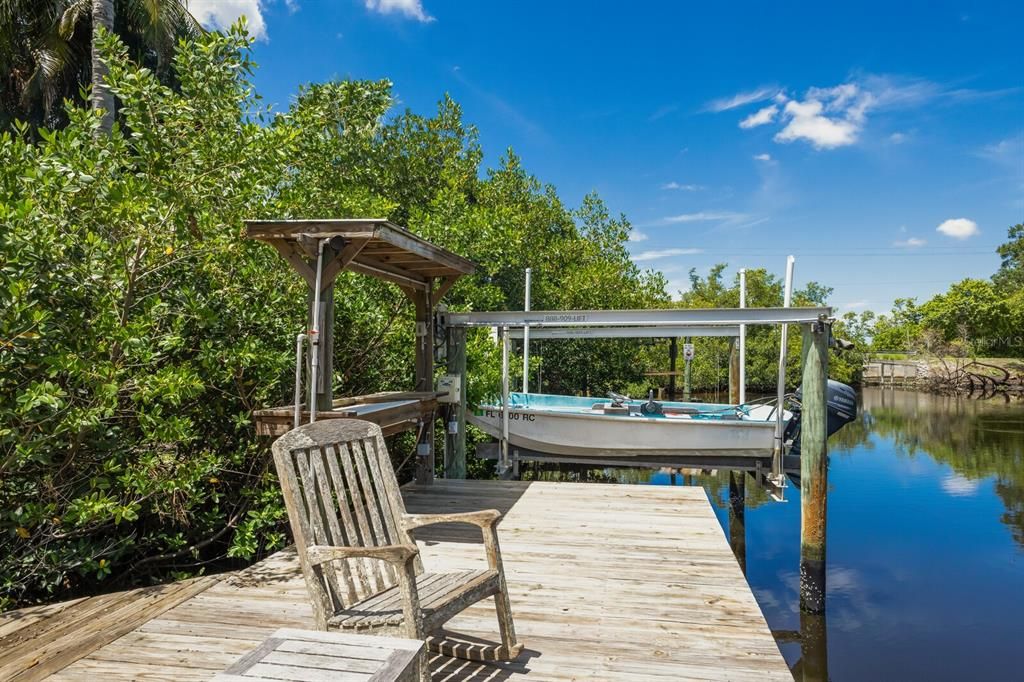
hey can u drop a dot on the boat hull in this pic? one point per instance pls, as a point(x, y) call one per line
point(598, 435)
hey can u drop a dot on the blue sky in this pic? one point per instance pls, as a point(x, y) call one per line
point(882, 144)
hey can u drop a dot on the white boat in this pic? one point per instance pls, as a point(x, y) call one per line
point(579, 426)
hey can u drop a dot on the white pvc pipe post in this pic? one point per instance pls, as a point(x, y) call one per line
point(300, 339)
point(314, 334)
point(787, 300)
point(526, 338)
point(505, 343)
point(743, 339)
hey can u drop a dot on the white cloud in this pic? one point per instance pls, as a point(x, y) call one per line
point(637, 236)
point(662, 112)
point(220, 14)
point(750, 223)
point(834, 117)
point(760, 117)
point(685, 188)
point(762, 157)
point(854, 305)
point(910, 243)
point(1009, 151)
point(958, 228)
point(702, 216)
point(411, 9)
point(827, 118)
point(677, 287)
point(740, 99)
point(664, 253)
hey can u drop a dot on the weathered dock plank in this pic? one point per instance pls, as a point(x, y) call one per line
point(51, 639)
point(608, 582)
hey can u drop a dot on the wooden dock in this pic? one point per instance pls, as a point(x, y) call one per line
point(608, 582)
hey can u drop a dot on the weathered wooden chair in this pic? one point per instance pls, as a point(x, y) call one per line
point(362, 568)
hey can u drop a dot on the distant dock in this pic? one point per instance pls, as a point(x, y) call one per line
point(608, 582)
point(892, 372)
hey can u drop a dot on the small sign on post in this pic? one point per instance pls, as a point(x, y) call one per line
point(687, 358)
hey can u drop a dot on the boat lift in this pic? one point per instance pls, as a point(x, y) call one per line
point(652, 323)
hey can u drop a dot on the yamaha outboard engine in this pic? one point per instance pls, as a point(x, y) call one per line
point(841, 401)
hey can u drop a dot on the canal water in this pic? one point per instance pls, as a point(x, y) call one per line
point(925, 543)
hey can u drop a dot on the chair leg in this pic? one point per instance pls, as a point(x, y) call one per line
point(505, 625)
point(413, 616)
point(424, 665)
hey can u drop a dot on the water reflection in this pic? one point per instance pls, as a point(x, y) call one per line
point(925, 541)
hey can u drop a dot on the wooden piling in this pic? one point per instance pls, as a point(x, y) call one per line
point(737, 517)
point(813, 467)
point(424, 382)
point(813, 647)
point(455, 443)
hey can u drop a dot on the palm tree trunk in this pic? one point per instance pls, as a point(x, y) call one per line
point(102, 98)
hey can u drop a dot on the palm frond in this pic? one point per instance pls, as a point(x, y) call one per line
point(72, 16)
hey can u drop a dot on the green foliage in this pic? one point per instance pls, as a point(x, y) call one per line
point(974, 317)
point(1010, 277)
point(710, 368)
point(138, 330)
point(45, 51)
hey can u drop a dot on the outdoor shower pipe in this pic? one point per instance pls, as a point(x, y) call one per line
point(299, 340)
point(781, 387)
point(314, 333)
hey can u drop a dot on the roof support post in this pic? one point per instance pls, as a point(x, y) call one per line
point(424, 380)
point(455, 443)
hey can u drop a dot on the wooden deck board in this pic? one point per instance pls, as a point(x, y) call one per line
point(607, 583)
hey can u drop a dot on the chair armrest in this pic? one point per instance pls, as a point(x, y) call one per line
point(484, 519)
point(397, 555)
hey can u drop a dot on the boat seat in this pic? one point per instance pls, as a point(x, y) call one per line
point(609, 408)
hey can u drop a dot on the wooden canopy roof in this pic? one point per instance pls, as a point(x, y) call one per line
point(370, 246)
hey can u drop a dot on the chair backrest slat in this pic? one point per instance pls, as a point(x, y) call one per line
point(373, 506)
point(340, 489)
point(388, 513)
point(360, 585)
point(342, 581)
point(316, 511)
point(371, 568)
point(391, 498)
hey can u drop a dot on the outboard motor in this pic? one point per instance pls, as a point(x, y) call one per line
point(841, 402)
